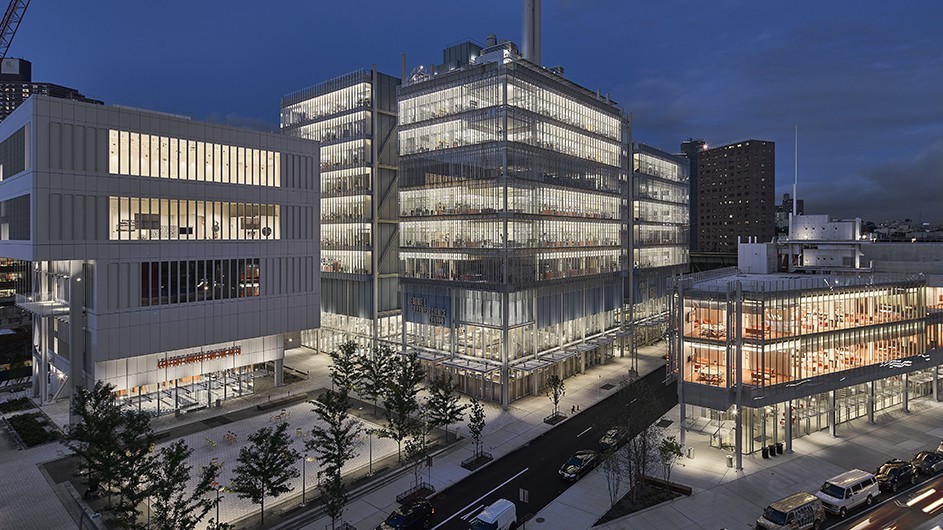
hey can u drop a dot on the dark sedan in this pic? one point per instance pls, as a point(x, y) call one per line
point(412, 515)
point(928, 462)
point(894, 474)
point(612, 439)
point(579, 464)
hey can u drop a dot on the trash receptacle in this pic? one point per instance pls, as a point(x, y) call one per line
point(765, 451)
point(690, 452)
point(219, 403)
point(779, 448)
point(772, 449)
point(730, 461)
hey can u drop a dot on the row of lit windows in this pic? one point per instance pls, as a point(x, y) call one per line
point(345, 235)
point(521, 234)
point(346, 261)
point(658, 212)
point(348, 126)
point(661, 235)
point(549, 266)
point(547, 135)
point(136, 218)
point(148, 155)
point(356, 96)
point(343, 181)
point(452, 100)
point(346, 209)
point(646, 188)
point(647, 258)
point(462, 200)
point(537, 99)
point(454, 133)
point(181, 282)
point(659, 167)
point(346, 154)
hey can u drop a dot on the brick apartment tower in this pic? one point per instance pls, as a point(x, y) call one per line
point(735, 196)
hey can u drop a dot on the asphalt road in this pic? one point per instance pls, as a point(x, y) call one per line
point(534, 466)
point(917, 507)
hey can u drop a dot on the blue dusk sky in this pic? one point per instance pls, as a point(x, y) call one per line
point(862, 80)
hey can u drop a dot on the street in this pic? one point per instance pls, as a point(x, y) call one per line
point(913, 508)
point(534, 466)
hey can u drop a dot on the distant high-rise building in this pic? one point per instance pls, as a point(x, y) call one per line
point(16, 84)
point(354, 118)
point(783, 210)
point(689, 149)
point(735, 195)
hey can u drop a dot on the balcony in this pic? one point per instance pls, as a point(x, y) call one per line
point(43, 304)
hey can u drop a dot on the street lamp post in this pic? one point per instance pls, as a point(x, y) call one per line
point(370, 443)
point(304, 480)
point(218, 487)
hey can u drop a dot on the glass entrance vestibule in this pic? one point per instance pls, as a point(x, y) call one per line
point(767, 425)
point(194, 392)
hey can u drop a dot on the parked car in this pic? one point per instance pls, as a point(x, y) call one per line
point(801, 511)
point(928, 462)
point(613, 438)
point(848, 490)
point(414, 514)
point(579, 464)
point(501, 515)
point(894, 474)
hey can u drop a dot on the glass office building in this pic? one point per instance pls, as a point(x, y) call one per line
point(354, 118)
point(766, 358)
point(513, 224)
point(659, 236)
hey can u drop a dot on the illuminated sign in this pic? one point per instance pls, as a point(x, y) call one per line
point(199, 357)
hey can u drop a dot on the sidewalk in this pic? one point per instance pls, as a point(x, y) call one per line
point(724, 498)
point(504, 432)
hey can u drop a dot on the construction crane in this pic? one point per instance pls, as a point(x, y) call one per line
point(11, 22)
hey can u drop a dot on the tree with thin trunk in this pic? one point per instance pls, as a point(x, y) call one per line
point(375, 374)
point(265, 466)
point(345, 368)
point(402, 400)
point(173, 505)
point(334, 441)
point(443, 407)
point(476, 424)
point(114, 446)
point(556, 389)
point(669, 451)
point(614, 469)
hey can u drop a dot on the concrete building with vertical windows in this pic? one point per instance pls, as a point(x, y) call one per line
point(354, 119)
point(660, 231)
point(513, 222)
point(171, 258)
point(735, 195)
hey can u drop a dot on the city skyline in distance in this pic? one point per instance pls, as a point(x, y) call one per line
point(859, 83)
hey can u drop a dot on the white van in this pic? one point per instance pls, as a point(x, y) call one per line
point(801, 511)
point(501, 515)
point(848, 490)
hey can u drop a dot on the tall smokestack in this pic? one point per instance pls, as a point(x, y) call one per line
point(530, 30)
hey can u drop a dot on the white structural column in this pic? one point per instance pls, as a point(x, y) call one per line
point(871, 402)
point(936, 383)
point(738, 315)
point(788, 413)
point(905, 382)
point(832, 411)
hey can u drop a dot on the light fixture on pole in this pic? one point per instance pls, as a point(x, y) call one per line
point(304, 478)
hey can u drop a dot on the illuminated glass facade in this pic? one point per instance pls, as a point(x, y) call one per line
point(354, 118)
point(659, 236)
point(818, 349)
point(513, 213)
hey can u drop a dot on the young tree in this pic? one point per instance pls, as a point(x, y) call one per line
point(476, 424)
point(172, 506)
point(443, 408)
point(334, 442)
point(402, 401)
point(114, 446)
point(417, 450)
point(613, 468)
point(345, 368)
point(375, 374)
point(556, 391)
point(265, 466)
point(669, 451)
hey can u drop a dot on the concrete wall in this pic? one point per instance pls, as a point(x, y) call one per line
point(904, 258)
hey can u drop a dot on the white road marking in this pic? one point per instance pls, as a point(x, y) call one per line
point(469, 514)
point(472, 503)
point(584, 432)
